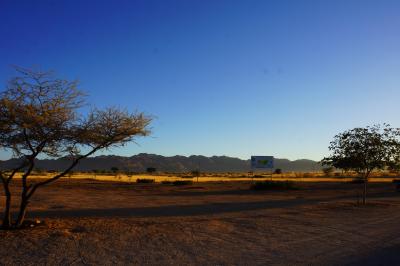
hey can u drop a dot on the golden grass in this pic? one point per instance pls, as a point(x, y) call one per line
point(224, 177)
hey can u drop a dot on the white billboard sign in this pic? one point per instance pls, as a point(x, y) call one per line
point(262, 162)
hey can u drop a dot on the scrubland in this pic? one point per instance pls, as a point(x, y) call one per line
point(216, 177)
point(95, 222)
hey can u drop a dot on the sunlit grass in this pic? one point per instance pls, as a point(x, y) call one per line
point(224, 177)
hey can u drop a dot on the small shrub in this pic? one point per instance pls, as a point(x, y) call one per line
point(166, 182)
point(144, 180)
point(273, 185)
point(182, 183)
point(357, 181)
point(195, 172)
point(38, 172)
point(397, 183)
point(394, 171)
point(278, 171)
point(299, 175)
point(328, 170)
point(151, 170)
point(114, 169)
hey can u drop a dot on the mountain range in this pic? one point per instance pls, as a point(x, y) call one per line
point(142, 161)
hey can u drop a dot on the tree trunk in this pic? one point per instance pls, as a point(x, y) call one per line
point(22, 211)
point(365, 191)
point(7, 210)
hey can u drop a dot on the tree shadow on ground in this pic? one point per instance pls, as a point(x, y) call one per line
point(187, 210)
point(383, 256)
point(169, 210)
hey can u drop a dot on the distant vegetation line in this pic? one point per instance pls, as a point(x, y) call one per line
point(141, 162)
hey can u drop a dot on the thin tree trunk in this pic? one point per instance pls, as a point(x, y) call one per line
point(365, 191)
point(23, 204)
point(28, 191)
point(6, 224)
point(22, 211)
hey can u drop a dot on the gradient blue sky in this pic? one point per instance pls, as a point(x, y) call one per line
point(233, 78)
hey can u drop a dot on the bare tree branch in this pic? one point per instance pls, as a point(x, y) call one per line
point(39, 116)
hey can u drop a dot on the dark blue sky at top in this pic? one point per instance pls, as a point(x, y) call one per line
point(222, 77)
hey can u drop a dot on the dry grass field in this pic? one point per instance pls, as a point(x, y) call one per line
point(223, 177)
point(91, 222)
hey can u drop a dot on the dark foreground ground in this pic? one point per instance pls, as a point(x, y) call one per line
point(104, 223)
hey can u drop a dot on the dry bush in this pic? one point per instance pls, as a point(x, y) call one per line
point(145, 180)
point(273, 185)
point(182, 182)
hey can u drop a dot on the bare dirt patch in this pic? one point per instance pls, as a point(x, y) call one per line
point(225, 223)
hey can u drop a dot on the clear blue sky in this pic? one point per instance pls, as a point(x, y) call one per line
point(233, 78)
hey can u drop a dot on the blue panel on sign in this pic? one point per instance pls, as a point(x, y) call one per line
point(262, 162)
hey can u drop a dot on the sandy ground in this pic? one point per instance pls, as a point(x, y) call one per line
point(109, 223)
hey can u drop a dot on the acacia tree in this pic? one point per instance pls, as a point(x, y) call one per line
point(364, 150)
point(196, 173)
point(39, 116)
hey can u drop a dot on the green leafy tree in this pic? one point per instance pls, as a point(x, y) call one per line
point(364, 150)
point(39, 115)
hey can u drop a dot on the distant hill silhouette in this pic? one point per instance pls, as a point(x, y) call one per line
point(139, 163)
